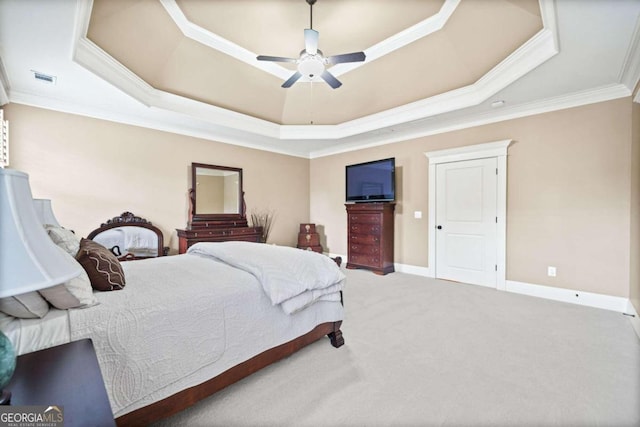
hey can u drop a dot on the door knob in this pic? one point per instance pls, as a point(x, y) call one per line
point(439, 227)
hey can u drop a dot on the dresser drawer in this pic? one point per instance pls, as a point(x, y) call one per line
point(368, 260)
point(311, 239)
point(366, 239)
point(364, 218)
point(203, 233)
point(189, 237)
point(357, 249)
point(365, 229)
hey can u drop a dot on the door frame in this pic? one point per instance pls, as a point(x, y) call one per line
point(497, 149)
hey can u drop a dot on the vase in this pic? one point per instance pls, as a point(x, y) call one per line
point(7, 360)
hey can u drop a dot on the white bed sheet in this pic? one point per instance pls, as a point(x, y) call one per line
point(178, 322)
point(29, 335)
point(181, 320)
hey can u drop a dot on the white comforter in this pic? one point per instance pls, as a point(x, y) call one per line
point(291, 277)
point(181, 320)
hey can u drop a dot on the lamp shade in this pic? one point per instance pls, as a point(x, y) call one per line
point(45, 212)
point(29, 260)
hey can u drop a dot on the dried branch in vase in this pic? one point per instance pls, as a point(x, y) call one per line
point(263, 218)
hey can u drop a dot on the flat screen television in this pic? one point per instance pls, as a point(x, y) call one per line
point(371, 181)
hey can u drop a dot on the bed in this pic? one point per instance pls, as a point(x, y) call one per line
point(186, 326)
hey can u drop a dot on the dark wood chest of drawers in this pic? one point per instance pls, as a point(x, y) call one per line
point(370, 236)
point(308, 238)
point(189, 237)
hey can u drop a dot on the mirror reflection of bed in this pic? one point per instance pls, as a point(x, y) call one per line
point(130, 237)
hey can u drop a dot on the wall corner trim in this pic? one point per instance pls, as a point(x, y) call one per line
point(635, 320)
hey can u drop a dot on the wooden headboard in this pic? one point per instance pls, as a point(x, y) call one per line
point(129, 220)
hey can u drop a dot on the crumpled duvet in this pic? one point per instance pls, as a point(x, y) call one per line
point(290, 277)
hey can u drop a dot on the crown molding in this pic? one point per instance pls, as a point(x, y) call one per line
point(534, 52)
point(158, 119)
point(397, 41)
point(577, 99)
point(4, 85)
point(94, 59)
point(214, 41)
point(630, 72)
point(212, 123)
point(409, 35)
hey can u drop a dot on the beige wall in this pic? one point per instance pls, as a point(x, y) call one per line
point(634, 290)
point(569, 195)
point(573, 185)
point(93, 170)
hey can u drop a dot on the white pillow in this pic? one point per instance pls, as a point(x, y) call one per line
point(64, 238)
point(76, 293)
point(25, 306)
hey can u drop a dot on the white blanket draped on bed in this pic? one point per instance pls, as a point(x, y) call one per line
point(180, 321)
point(290, 277)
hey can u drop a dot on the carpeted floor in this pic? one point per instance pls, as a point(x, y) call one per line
point(424, 352)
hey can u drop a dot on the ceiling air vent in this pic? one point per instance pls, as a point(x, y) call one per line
point(44, 77)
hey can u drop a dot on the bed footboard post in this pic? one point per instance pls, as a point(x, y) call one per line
point(336, 335)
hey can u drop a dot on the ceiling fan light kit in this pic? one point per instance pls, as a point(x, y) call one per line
point(312, 62)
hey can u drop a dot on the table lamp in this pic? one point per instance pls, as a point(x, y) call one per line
point(29, 260)
point(44, 212)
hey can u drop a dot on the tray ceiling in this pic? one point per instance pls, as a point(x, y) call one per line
point(476, 37)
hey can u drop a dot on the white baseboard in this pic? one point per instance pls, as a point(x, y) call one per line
point(413, 269)
point(589, 299)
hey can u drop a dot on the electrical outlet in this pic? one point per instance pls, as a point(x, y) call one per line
point(417, 214)
point(551, 271)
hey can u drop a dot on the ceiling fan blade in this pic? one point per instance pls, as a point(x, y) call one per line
point(347, 57)
point(330, 79)
point(294, 78)
point(275, 58)
point(311, 41)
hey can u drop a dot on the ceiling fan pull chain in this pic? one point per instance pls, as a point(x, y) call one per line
point(311, 102)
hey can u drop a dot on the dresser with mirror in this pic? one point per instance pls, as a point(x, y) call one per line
point(217, 211)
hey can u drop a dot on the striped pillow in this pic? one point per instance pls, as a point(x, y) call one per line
point(102, 267)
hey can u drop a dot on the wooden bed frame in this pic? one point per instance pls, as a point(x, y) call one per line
point(188, 397)
point(183, 399)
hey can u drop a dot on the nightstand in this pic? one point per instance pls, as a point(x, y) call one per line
point(67, 375)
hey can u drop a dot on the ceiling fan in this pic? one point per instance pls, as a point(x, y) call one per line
point(312, 62)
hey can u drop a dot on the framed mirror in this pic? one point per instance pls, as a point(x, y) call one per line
point(216, 193)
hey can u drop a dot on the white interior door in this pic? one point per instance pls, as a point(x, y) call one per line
point(466, 221)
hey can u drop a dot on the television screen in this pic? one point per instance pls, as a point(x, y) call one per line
point(371, 181)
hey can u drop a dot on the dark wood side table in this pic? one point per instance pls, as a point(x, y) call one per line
point(308, 238)
point(67, 375)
